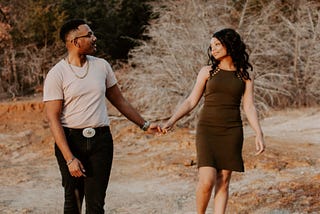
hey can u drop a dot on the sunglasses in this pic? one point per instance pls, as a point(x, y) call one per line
point(89, 35)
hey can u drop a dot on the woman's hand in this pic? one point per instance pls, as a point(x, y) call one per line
point(167, 126)
point(260, 144)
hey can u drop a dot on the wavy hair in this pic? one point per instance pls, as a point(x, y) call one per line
point(236, 48)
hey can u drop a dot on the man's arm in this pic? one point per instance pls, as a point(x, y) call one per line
point(115, 96)
point(53, 112)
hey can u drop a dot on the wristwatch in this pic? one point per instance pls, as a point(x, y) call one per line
point(145, 126)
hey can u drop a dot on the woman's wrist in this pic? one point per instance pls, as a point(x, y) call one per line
point(259, 134)
point(170, 123)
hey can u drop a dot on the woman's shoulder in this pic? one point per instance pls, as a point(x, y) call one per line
point(206, 68)
point(205, 71)
point(251, 77)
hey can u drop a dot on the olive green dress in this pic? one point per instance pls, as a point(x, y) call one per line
point(219, 135)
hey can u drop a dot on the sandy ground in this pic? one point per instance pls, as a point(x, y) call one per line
point(158, 174)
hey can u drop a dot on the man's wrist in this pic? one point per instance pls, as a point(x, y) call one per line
point(70, 161)
point(145, 126)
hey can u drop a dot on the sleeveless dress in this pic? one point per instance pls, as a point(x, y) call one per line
point(219, 135)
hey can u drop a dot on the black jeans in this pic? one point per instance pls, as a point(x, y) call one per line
point(96, 155)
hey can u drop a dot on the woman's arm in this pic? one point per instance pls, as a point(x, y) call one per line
point(251, 113)
point(193, 99)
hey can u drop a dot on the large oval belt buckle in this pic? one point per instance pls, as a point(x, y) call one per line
point(88, 132)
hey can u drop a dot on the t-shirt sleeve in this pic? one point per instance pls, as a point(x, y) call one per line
point(52, 89)
point(111, 78)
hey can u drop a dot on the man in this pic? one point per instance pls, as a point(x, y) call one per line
point(74, 94)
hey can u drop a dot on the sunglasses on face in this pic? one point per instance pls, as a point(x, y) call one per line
point(89, 35)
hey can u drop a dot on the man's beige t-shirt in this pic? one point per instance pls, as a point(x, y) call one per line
point(84, 102)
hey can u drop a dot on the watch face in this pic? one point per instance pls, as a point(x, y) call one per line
point(145, 126)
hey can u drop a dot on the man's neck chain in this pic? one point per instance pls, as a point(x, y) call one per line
point(75, 73)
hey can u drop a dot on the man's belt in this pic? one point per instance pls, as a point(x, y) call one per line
point(90, 132)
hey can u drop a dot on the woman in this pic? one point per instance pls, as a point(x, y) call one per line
point(219, 135)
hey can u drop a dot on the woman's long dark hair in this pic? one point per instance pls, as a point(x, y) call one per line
point(236, 48)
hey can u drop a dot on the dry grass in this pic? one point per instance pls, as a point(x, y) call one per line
point(283, 39)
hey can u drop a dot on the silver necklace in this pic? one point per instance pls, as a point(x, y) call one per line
point(79, 77)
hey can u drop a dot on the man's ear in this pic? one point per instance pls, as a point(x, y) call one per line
point(76, 43)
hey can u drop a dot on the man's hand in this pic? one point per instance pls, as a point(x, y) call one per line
point(76, 168)
point(154, 128)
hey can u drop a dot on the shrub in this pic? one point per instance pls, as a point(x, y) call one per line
point(283, 39)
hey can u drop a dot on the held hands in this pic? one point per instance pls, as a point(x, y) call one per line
point(155, 128)
point(166, 127)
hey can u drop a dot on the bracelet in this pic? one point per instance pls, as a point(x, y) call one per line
point(145, 126)
point(70, 161)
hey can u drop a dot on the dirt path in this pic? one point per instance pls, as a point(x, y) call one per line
point(158, 174)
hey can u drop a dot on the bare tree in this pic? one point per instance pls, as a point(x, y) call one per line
point(283, 39)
